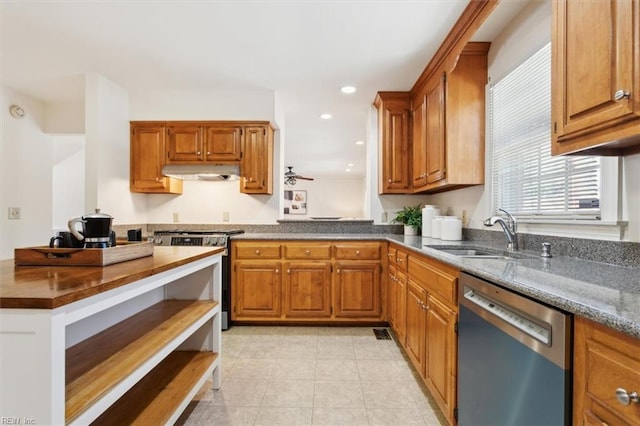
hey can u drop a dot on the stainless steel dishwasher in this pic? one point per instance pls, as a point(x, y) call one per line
point(514, 358)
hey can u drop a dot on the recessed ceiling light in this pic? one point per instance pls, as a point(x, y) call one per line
point(325, 116)
point(350, 165)
point(359, 142)
point(347, 170)
point(348, 89)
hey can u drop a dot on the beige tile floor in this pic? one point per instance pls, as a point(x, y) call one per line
point(312, 376)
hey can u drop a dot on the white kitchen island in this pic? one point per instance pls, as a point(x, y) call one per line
point(126, 343)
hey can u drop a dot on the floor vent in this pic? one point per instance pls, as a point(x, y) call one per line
point(381, 334)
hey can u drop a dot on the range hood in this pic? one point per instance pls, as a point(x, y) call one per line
point(208, 172)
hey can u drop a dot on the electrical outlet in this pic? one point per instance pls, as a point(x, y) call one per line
point(225, 216)
point(14, 213)
point(176, 217)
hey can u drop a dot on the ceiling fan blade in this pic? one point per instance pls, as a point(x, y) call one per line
point(304, 178)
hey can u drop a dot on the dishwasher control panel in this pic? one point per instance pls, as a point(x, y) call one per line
point(510, 316)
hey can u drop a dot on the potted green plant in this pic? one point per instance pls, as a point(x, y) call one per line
point(411, 218)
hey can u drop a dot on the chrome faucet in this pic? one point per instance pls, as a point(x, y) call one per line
point(510, 228)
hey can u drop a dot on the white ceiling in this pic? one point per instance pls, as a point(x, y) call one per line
point(304, 50)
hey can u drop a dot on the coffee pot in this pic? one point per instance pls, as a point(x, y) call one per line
point(96, 229)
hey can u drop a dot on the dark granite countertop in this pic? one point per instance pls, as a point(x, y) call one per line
point(605, 293)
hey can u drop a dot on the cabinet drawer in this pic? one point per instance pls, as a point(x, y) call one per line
point(257, 251)
point(357, 251)
point(307, 251)
point(392, 252)
point(401, 260)
point(608, 370)
point(435, 281)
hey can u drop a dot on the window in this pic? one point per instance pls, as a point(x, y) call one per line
point(527, 181)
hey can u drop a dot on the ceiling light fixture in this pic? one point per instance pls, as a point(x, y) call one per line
point(347, 170)
point(359, 142)
point(325, 116)
point(348, 89)
point(350, 165)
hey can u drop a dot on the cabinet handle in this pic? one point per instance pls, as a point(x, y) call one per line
point(258, 252)
point(621, 94)
point(307, 252)
point(399, 260)
point(626, 398)
point(390, 254)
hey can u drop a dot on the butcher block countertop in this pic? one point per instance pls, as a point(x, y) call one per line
point(49, 287)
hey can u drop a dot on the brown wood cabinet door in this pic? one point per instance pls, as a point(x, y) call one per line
point(392, 294)
point(147, 159)
point(594, 59)
point(441, 356)
point(257, 156)
point(416, 324)
point(184, 144)
point(401, 307)
point(357, 289)
point(307, 290)
point(435, 129)
point(604, 360)
point(223, 144)
point(256, 290)
point(396, 155)
point(419, 145)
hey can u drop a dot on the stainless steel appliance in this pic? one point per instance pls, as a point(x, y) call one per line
point(514, 358)
point(211, 238)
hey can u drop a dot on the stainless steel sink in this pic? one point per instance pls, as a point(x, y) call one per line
point(475, 252)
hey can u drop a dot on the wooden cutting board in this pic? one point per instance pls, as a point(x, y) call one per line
point(47, 256)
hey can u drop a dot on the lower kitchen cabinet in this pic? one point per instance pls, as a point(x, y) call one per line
point(424, 323)
point(321, 281)
point(307, 290)
point(257, 290)
point(606, 376)
point(358, 292)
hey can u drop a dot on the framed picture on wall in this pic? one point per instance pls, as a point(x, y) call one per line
point(295, 202)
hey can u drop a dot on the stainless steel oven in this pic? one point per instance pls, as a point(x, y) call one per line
point(211, 238)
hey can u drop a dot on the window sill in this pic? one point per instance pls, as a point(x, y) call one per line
point(579, 228)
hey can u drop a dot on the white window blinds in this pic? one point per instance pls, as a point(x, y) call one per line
point(527, 181)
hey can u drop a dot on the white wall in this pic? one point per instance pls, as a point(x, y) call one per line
point(205, 202)
point(25, 174)
point(65, 118)
point(631, 196)
point(67, 182)
point(331, 196)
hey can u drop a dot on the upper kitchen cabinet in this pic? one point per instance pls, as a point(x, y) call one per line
point(256, 167)
point(394, 112)
point(452, 108)
point(147, 159)
point(202, 142)
point(596, 77)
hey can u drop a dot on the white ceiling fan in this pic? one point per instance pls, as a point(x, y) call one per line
point(290, 177)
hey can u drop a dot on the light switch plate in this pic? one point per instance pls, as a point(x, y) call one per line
point(225, 216)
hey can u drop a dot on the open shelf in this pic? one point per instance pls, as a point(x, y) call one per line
point(155, 398)
point(120, 355)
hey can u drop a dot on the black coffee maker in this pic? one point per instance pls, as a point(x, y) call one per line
point(96, 229)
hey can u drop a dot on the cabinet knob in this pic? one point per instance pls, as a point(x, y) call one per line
point(621, 94)
point(399, 260)
point(626, 398)
point(357, 252)
point(389, 181)
point(198, 152)
point(288, 271)
point(258, 252)
point(307, 252)
point(208, 152)
point(338, 271)
point(277, 271)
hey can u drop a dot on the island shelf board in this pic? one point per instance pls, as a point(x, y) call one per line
point(103, 367)
point(160, 394)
